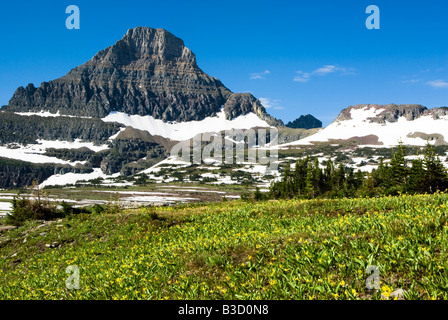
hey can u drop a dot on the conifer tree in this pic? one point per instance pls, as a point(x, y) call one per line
point(416, 181)
point(435, 174)
point(326, 178)
point(398, 168)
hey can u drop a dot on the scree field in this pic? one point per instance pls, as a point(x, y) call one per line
point(292, 249)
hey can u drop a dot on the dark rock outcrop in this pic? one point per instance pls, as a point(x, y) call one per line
point(27, 129)
point(129, 147)
point(147, 72)
point(436, 113)
point(305, 122)
point(15, 173)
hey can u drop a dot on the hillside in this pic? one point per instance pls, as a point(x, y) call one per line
point(307, 249)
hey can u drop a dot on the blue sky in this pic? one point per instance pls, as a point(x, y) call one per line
point(298, 57)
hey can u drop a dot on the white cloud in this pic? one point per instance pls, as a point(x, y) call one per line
point(438, 83)
point(325, 70)
point(259, 75)
point(412, 81)
point(266, 102)
point(322, 71)
point(302, 76)
point(269, 103)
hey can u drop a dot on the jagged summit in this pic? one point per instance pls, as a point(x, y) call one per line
point(152, 50)
point(148, 72)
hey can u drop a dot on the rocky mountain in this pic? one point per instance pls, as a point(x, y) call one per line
point(118, 113)
point(305, 122)
point(149, 72)
point(386, 125)
point(121, 113)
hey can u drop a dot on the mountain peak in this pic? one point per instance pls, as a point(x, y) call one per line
point(149, 72)
point(305, 122)
point(146, 48)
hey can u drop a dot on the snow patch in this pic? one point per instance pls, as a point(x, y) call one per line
point(72, 178)
point(48, 114)
point(185, 130)
point(77, 144)
point(33, 154)
point(170, 161)
point(5, 207)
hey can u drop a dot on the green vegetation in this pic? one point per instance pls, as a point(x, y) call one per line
point(81, 154)
point(37, 206)
point(308, 180)
point(286, 249)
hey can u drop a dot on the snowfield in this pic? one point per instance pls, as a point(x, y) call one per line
point(185, 130)
point(32, 153)
point(70, 145)
point(72, 178)
point(35, 152)
point(389, 134)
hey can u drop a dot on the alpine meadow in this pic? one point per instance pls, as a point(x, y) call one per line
point(238, 154)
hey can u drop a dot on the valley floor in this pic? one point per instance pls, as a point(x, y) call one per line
point(287, 249)
point(129, 196)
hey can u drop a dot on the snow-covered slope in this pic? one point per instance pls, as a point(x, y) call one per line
point(370, 121)
point(186, 130)
point(34, 153)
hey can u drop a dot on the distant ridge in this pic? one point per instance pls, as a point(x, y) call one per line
point(386, 125)
point(305, 122)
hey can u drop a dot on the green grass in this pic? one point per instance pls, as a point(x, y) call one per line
point(291, 249)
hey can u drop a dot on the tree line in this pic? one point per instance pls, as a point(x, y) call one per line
point(308, 180)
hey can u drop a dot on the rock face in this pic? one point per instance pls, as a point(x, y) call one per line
point(305, 122)
point(147, 72)
point(243, 103)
